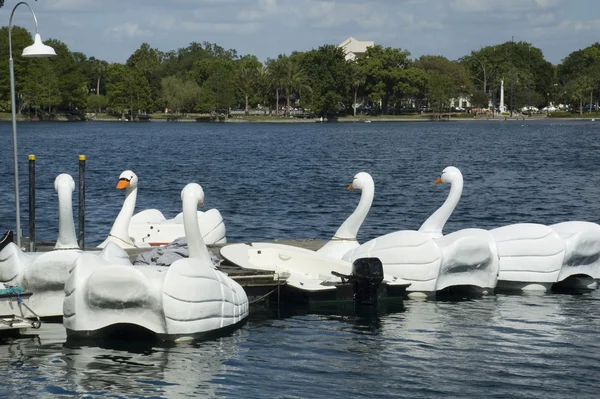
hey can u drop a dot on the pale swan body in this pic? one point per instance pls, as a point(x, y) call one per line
point(530, 255)
point(343, 240)
point(185, 300)
point(150, 226)
point(44, 273)
point(431, 265)
point(582, 253)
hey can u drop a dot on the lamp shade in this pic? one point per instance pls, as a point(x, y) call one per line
point(38, 49)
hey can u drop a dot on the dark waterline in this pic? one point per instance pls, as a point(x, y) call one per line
point(288, 181)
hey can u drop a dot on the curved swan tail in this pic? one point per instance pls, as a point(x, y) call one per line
point(201, 299)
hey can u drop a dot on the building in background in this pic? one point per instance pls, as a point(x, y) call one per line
point(354, 48)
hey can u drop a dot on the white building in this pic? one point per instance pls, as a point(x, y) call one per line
point(354, 48)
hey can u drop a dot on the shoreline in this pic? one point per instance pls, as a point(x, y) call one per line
point(318, 120)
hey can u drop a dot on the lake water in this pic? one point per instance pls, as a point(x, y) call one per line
point(276, 181)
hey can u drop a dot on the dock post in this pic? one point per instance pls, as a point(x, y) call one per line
point(81, 238)
point(31, 203)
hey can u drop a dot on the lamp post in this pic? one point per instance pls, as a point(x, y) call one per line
point(37, 49)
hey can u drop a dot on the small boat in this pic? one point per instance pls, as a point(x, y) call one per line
point(311, 276)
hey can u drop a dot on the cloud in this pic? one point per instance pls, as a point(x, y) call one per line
point(126, 30)
point(221, 27)
point(504, 6)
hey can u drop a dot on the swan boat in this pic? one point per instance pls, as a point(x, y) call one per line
point(315, 275)
point(186, 300)
point(150, 227)
point(466, 260)
point(532, 257)
point(342, 241)
point(44, 273)
point(529, 255)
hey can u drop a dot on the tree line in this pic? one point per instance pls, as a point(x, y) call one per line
point(206, 78)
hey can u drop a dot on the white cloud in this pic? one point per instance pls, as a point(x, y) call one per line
point(126, 30)
point(219, 27)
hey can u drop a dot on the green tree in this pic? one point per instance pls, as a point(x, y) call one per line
point(127, 90)
point(382, 67)
point(329, 75)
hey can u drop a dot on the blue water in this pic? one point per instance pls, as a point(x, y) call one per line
point(275, 181)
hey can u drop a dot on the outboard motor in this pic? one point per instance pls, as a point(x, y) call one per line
point(6, 239)
point(367, 275)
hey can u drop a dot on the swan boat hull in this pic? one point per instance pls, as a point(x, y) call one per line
point(581, 264)
point(531, 257)
point(173, 303)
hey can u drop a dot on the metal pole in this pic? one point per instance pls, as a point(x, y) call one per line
point(81, 238)
point(14, 116)
point(32, 203)
point(14, 137)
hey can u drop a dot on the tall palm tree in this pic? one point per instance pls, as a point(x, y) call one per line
point(263, 83)
point(277, 75)
point(100, 68)
point(246, 81)
point(295, 79)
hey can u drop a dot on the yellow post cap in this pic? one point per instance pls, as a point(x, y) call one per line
point(82, 157)
point(32, 157)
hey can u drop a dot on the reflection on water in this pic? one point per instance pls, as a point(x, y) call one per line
point(503, 346)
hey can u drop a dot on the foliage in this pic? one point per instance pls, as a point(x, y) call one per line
point(205, 77)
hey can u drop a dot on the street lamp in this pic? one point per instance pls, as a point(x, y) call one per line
point(37, 49)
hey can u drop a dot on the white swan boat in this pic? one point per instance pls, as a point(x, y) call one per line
point(44, 273)
point(532, 257)
point(432, 262)
point(342, 241)
point(184, 301)
point(150, 227)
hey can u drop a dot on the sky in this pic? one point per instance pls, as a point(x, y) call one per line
point(112, 30)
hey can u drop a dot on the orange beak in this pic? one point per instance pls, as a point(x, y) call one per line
point(350, 187)
point(122, 184)
point(438, 180)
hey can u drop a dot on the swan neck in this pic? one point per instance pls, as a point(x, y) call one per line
point(120, 228)
point(196, 245)
point(349, 229)
point(434, 225)
point(67, 238)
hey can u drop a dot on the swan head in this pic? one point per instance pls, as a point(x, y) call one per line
point(64, 180)
point(127, 179)
point(449, 175)
point(360, 181)
point(193, 190)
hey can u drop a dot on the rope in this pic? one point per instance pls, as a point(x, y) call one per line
point(264, 296)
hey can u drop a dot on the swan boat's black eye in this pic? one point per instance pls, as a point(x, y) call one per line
point(124, 179)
